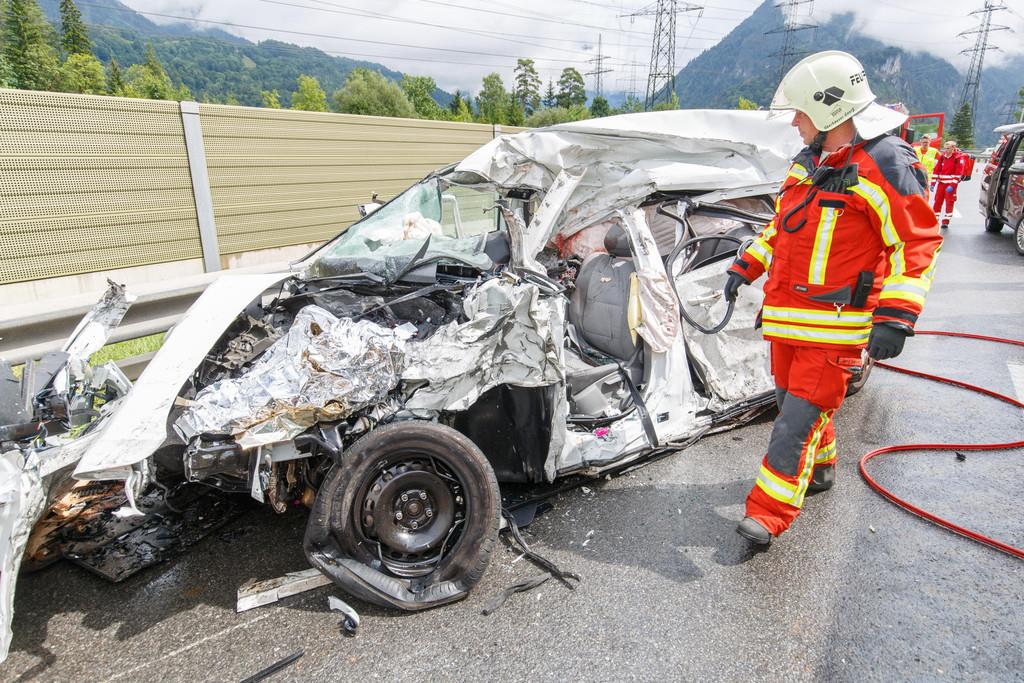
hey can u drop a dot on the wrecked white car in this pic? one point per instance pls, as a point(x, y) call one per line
point(529, 313)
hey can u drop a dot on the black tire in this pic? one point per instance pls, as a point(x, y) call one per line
point(451, 490)
point(1018, 238)
point(858, 381)
point(993, 224)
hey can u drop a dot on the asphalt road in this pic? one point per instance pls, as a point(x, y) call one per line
point(857, 590)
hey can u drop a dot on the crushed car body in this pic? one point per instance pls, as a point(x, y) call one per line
point(515, 317)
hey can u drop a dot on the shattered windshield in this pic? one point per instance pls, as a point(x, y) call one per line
point(432, 220)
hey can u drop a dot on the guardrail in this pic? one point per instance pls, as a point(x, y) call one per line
point(25, 335)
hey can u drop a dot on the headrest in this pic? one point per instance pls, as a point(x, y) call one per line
point(616, 242)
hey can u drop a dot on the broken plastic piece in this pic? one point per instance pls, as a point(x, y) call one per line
point(255, 593)
point(350, 622)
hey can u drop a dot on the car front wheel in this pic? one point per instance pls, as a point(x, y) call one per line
point(1019, 238)
point(993, 224)
point(408, 519)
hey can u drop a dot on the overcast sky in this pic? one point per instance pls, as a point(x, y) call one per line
point(459, 41)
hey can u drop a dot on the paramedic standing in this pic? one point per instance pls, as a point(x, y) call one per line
point(927, 155)
point(949, 171)
point(850, 256)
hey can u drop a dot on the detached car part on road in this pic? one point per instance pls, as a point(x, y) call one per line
point(514, 317)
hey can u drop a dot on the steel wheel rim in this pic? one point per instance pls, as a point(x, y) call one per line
point(411, 512)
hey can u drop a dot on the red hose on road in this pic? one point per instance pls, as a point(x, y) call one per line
point(973, 535)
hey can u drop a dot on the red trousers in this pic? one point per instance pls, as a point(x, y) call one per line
point(942, 196)
point(811, 384)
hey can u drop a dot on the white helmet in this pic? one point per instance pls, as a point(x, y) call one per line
point(831, 87)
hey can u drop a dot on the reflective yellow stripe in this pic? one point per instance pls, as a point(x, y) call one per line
point(797, 172)
point(913, 289)
point(822, 246)
point(812, 446)
point(777, 488)
point(826, 453)
point(782, 490)
point(805, 315)
point(761, 249)
point(879, 203)
point(816, 334)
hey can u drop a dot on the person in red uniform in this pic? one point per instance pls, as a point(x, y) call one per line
point(850, 256)
point(950, 168)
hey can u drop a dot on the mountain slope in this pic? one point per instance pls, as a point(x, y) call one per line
point(742, 64)
point(214, 64)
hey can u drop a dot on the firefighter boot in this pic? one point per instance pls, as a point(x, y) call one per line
point(822, 479)
point(753, 531)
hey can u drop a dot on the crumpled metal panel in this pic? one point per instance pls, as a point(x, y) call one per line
point(139, 426)
point(323, 369)
point(624, 159)
point(92, 333)
point(659, 320)
point(513, 336)
point(734, 362)
point(22, 501)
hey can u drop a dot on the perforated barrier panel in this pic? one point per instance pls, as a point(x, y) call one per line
point(90, 184)
point(282, 177)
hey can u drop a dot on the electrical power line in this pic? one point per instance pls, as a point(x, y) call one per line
point(599, 69)
point(972, 82)
point(791, 25)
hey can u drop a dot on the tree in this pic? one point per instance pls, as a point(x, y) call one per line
point(599, 107)
point(459, 109)
point(550, 98)
point(571, 89)
point(527, 86)
point(1020, 105)
point(553, 115)
point(631, 105)
point(270, 99)
point(464, 114)
point(83, 73)
point(74, 38)
point(746, 104)
point(420, 91)
point(492, 100)
point(668, 105)
point(514, 113)
point(961, 129)
point(115, 81)
point(310, 96)
point(370, 93)
point(28, 46)
point(150, 81)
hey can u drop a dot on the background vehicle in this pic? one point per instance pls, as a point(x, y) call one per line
point(1002, 188)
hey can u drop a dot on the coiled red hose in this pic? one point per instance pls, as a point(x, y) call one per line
point(973, 535)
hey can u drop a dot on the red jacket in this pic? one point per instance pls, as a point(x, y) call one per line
point(950, 170)
point(844, 254)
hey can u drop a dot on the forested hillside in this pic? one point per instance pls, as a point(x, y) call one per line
point(742, 65)
point(213, 64)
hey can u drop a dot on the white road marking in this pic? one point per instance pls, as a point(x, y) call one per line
point(188, 647)
point(1017, 377)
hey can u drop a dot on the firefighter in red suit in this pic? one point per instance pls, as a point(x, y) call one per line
point(950, 169)
point(850, 256)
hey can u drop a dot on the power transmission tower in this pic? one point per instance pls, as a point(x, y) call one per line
point(791, 25)
point(661, 79)
point(598, 63)
point(972, 82)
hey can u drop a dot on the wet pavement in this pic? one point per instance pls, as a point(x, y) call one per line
point(857, 590)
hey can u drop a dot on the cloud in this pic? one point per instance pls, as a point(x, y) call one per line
point(457, 42)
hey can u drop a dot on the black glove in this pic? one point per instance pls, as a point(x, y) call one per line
point(732, 285)
point(886, 341)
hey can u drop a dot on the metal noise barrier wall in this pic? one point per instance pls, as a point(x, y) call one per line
point(93, 183)
point(90, 184)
